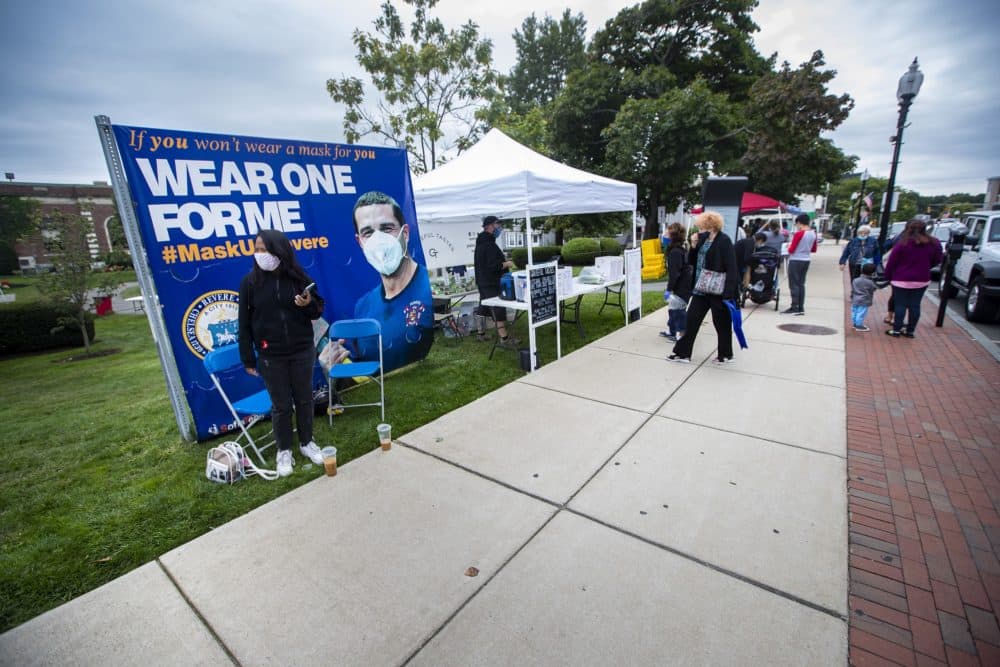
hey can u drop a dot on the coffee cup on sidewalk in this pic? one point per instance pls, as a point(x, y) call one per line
point(384, 436)
point(330, 460)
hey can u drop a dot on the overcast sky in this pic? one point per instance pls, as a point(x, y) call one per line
point(259, 68)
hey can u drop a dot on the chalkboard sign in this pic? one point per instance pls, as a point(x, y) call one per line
point(542, 284)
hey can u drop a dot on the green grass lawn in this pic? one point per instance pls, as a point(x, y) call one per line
point(95, 480)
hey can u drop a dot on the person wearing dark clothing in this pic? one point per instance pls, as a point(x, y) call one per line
point(679, 283)
point(490, 265)
point(711, 251)
point(908, 270)
point(744, 249)
point(276, 340)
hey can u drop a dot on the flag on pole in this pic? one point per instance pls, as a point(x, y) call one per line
point(868, 201)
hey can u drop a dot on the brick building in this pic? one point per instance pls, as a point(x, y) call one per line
point(95, 202)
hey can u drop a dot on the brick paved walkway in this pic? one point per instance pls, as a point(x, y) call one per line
point(923, 438)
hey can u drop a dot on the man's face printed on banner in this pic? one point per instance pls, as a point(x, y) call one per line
point(373, 223)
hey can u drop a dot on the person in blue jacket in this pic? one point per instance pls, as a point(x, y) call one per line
point(862, 249)
point(402, 299)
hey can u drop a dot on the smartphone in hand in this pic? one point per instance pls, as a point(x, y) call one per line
point(308, 287)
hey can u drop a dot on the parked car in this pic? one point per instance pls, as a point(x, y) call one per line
point(941, 230)
point(977, 271)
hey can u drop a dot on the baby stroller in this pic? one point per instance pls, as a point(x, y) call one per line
point(763, 286)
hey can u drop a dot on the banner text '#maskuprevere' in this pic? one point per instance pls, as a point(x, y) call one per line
point(183, 253)
point(204, 178)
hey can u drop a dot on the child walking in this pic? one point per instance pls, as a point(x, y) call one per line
point(679, 280)
point(862, 293)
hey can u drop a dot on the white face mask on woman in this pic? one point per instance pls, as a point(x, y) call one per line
point(384, 251)
point(266, 261)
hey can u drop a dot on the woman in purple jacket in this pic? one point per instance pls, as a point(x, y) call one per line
point(908, 270)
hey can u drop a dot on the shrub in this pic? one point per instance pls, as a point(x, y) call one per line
point(118, 260)
point(28, 328)
point(580, 252)
point(8, 260)
point(610, 246)
point(542, 253)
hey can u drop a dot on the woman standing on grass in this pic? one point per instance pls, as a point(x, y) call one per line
point(276, 340)
point(710, 251)
point(909, 272)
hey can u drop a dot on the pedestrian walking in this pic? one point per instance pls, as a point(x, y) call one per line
point(714, 280)
point(799, 254)
point(861, 250)
point(679, 281)
point(862, 295)
point(908, 270)
point(744, 248)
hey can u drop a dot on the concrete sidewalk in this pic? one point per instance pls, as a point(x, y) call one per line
point(620, 510)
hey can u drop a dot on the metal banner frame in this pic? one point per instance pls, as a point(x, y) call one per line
point(150, 298)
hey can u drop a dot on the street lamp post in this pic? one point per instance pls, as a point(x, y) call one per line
point(861, 198)
point(909, 86)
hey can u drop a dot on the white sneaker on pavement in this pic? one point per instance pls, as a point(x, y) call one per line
point(311, 451)
point(285, 462)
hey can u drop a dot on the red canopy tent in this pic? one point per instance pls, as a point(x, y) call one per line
point(755, 202)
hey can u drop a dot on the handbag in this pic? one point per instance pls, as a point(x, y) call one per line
point(710, 282)
point(228, 464)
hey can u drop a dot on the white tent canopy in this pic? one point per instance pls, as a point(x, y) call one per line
point(501, 177)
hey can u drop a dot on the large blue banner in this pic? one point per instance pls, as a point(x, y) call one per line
point(202, 198)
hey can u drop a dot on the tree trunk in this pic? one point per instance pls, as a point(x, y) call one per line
point(82, 321)
point(652, 228)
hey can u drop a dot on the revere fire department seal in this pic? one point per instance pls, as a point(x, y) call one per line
point(211, 321)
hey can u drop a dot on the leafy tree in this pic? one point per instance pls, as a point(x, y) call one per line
point(72, 277)
point(942, 206)
point(431, 84)
point(547, 51)
point(18, 217)
point(787, 112)
point(529, 129)
point(663, 145)
point(651, 56)
point(709, 39)
point(116, 234)
point(586, 106)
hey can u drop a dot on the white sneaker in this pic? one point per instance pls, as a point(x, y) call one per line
point(719, 361)
point(311, 450)
point(285, 462)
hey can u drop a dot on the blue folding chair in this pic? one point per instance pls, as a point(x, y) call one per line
point(353, 330)
point(224, 366)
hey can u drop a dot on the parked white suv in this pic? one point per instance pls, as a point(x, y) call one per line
point(977, 271)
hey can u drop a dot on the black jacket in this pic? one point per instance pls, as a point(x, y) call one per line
point(721, 257)
point(488, 261)
point(744, 250)
point(679, 272)
point(270, 322)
